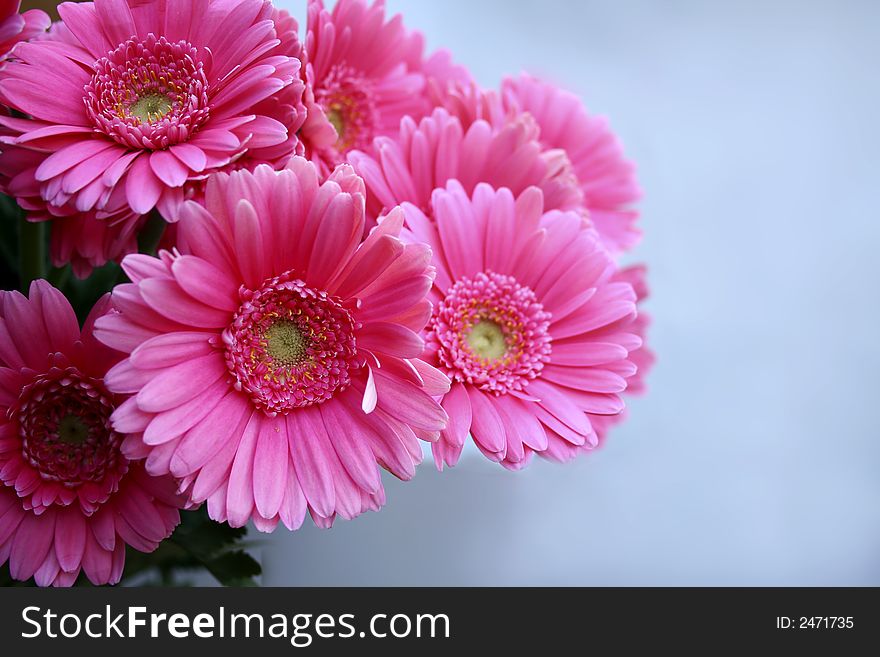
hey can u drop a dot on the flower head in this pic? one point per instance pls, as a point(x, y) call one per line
point(70, 500)
point(528, 324)
point(15, 27)
point(138, 101)
point(605, 176)
point(364, 74)
point(273, 361)
point(424, 156)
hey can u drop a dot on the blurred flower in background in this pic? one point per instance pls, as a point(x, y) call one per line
point(15, 26)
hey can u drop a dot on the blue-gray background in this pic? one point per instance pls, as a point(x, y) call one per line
point(755, 457)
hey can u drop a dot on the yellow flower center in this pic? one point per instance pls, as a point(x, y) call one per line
point(151, 107)
point(285, 343)
point(486, 339)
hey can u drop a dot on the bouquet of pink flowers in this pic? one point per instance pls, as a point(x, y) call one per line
point(331, 251)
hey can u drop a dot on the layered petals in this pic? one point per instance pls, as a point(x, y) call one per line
point(529, 323)
point(70, 500)
point(147, 98)
point(364, 73)
point(606, 178)
point(277, 365)
point(425, 155)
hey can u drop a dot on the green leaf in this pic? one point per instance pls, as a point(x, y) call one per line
point(198, 542)
point(236, 568)
point(204, 538)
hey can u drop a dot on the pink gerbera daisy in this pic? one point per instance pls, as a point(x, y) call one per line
point(469, 102)
point(136, 100)
point(427, 154)
point(275, 363)
point(86, 242)
point(287, 106)
point(15, 27)
point(527, 324)
point(643, 357)
point(364, 74)
point(70, 501)
point(79, 238)
point(606, 177)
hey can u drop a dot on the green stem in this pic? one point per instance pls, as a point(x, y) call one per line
point(59, 276)
point(31, 251)
point(151, 234)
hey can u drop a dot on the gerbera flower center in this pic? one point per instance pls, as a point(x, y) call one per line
point(64, 420)
point(486, 339)
point(491, 332)
point(285, 343)
point(148, 93)
point(290, 346)
point(347, 100)
point(334, 115)
point(72, 430)
point(150, 107)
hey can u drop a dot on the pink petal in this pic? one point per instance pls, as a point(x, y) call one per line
point(140, 513)
point(583, 354)
point(83, 22)
point(270, 466)
point(487, 427)
point(29, 333)
point(167, 298)
point(103, 528)
point(458, 407)
point(434, 382)
point(128, 418)
point(208, 437)
point(294, 505)
point(346, 436)
point(31, 98)
point(48, 572)
point(97, 562)
point(168, 168)
point(70, 538)
point(62, 327)
point(31, 543)
point(240, 491)
point(142, 187)
point(592, 379)
point(522, 414)
point(175, 422)
point(372, 262)
point(338, 234)
point(191, 156)
point(171, 349)
point(249, 245)
point(205, 282)
point(70, 156)
point(409, 404)
point(181, 383)
point(391, 339)
point(555, 402)
point(211, 479)
point(309, 448)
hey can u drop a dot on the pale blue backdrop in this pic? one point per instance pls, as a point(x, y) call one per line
point(755, 458)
